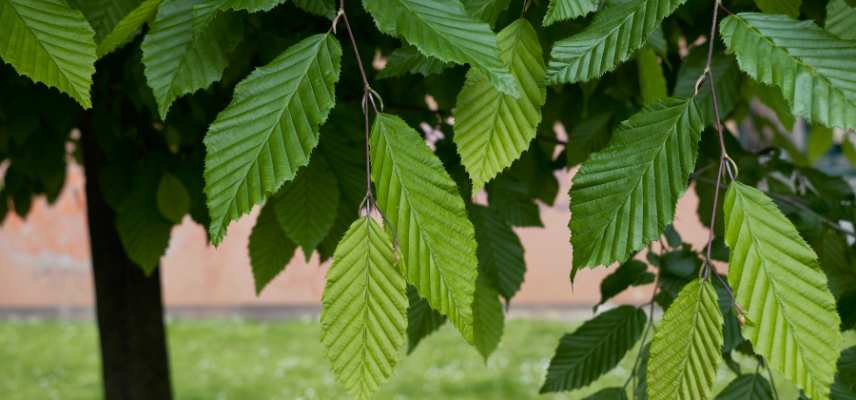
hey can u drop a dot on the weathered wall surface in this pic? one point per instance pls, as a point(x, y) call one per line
point(44, 261)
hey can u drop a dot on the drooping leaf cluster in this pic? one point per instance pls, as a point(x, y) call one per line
point(378, 160)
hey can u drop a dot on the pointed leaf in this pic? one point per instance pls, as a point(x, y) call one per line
point(443, 29)
point(51, 43)
point(306, 207)
point(813, 69)
point(778, 283)
point(424, 209)
point(840, 19)
point(488, 317)
point(187, 49)
point(652, 82)
point(594, 348)
point(422, 320)
point(269, 129)
point(613, 36)
point(269, 248)
point(173, 200)
point(630, 273)
point(493, 129)
point(624, 196)
point(116, 22)
point(499, 251)
point(143, 231)
point(685, 351)
point(560, 10)
point(363, 314)
point(747, 387)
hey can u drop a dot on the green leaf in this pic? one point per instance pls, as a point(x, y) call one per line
point(270, 249)
point(116, 22)
point(613, 36)
point(422, 320)
point(269, 129)
point(726, 75)
point(364, 306)
point(306, 207)
point(747, 387)
point(840, 19)
point(613, 393)
point(172, 198)
point(143, 231)
point(488, 317)
point(49, 42)
point(685, 351)
point(624, 195)
point(589, 135)
point(493, 129)
point(811, 67)
point(594, 348)
point(777, 282)
point(500, 251)
point(561, 10)
point(847, 367)
point(323, 8)
point(820, 140)
point(408, 60)
point(443, 29)
point(424, 209)
point(848, 149)
point(652, 83)
point(252, 6)
point(772, 97)
point(485, 10)
point(631, 273)
point(187, 49)
point(788, 7)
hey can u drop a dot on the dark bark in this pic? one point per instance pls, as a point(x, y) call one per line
point(134, 358)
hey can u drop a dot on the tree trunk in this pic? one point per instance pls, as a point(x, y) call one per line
point(134, 359)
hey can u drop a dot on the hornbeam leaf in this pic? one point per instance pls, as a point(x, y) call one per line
point(788, 7)
point(444, 30)
point(485, 10)
point(613, 393)
point(594, 348)
point(187, 49)
point(422, 320)
point(306, 207)
point(624, 195)
point(499, 250)
point(630, 273)
point(364, 306)
point(840, 19)
point(488, 317)
point(250, 5)
point(408, 60)
point(777, 282)
point(493, 129)
point(814, 69)
point(270, 249)
point(424, 209)
point(324, 8)
point(49, 42)
point(747, 387)
point(560, 10)
point(685, 351)
point(613, 36)
point(652, 82)
point(269, 129)
point(116, 22)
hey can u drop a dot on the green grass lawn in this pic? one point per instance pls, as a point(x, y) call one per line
point(233, 359)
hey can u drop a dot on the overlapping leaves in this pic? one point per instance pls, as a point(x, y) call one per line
point(560, 10)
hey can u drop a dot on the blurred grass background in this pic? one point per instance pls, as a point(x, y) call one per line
point(240, 359)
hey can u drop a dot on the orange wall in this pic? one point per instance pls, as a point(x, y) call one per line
point(44, 261)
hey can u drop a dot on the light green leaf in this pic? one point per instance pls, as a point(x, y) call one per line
point(493, 129)
point(652, 83)
point(594, 348)
point(424, 209)
point(485, 10)
point(306, 207)
point(624, 195)
point(323, 8)
point(820, 140)
point(269, 129)
point(499, 251)
point(560, 10)
point(408, 60)
point(422, 320)
point(172, 198)
point(363, 312)
point(116, 22)
point(51, 43)
point(685, 351)
point(443, 29)
point(187, 49)
point(777, 282)
point(788, 7)
point(250, 5)
point(488, 317)
point(613, 36)
point(840, 19)
point(270, 249)
point(813, 69)
point(747, 387)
